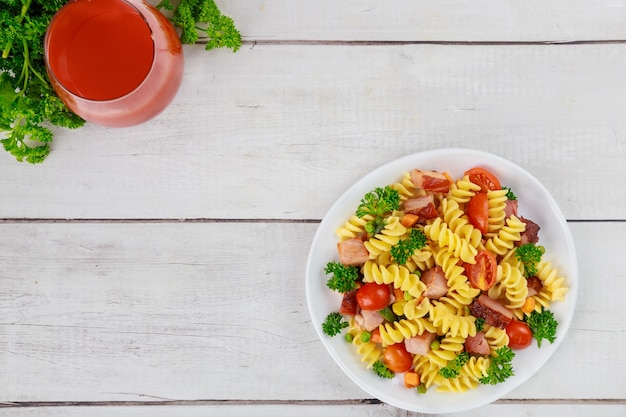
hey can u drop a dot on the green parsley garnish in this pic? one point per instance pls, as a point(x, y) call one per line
point(500, 368)
point(452, 369)
point(530, 256)
point(543, 325)
point(480, 322)
point(405, 248)
point(381, 370)
point(203, 16)
point(378, 203)
point(509, 194)
point(333, 324)
point(27, 101)
point(344, 277)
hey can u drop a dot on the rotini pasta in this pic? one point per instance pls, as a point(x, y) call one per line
point(430, 309)
point(496, 201)
point(439, 232)
point(387, 238)
point(506, 237)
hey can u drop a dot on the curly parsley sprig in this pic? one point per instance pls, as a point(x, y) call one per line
point(500, 367)
point(344, 278)
point(382, 371)
point(333, 324)
point(27, 101)
point(378, 203)
point(405, 248)
point(193, 17)
point(530, 256)
point(453, 368)
point(543, 325)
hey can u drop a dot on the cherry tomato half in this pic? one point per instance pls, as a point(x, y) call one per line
point(520, 335)
point(372, 296)
point(397, 358)
point(484, 178)
point(478, 212)
point(482, 274)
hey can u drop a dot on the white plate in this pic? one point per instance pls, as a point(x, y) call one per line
point(535, 203)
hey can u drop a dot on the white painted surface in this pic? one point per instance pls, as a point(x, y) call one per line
point(108, 301)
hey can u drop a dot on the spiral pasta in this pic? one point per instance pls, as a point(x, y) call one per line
point(436, 317)
point(449, 347)
point(398, 275)
point(458, 222)
point(496, 202)
point(455, 274)
point(397, 331)
point(447, 321)
point(510, 233)
point(496, 337)
point(439, 232)
point(462, 190)
point(354, 227)
point(387, 238)
point(511, 284)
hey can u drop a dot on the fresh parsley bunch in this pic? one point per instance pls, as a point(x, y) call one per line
point(194, 16)
point(28, 104)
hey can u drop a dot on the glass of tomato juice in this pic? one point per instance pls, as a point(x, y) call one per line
point(115, 63)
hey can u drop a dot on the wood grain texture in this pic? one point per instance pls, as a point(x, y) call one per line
point(155, 312)
point(313, 410)
point(109, 305)
point(279, 132)
point(411, 20)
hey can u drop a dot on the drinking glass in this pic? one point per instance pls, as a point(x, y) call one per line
point(115, 63)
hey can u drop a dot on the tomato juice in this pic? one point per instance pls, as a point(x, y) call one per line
point(113, 62)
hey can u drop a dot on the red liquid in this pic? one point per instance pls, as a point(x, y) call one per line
point(113, 62)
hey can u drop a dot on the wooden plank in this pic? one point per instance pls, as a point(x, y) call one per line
point(306, 410)
point(168, 311)
point(281, 131)
point(410, 20)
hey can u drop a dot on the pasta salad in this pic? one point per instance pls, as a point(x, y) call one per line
point(442, 280)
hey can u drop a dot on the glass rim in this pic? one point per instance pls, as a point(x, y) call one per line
point(60, 84)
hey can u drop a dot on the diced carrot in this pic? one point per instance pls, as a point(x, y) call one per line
point(398, 293)
point(376, 336)
point(411, 379)
point(529, 305)
point(409, 220)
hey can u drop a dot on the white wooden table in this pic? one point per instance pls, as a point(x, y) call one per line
point(159, 270)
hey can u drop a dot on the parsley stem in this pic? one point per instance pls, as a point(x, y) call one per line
point(7, 48)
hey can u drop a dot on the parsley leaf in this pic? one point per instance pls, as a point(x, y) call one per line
point(333, 324)
point(382, 371)
point(344, 277)
point(193, 17)
point(27, 101)
point(405, 248)
point(500, 367)
point(543, 325)
point(480, 322)
point(530, 255)
point(380, 201)
point(509, 194)
point(452, 369)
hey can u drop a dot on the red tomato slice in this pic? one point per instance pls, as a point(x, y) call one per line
point(520, 335)
point(482, 274)
point(397, 358)
point(484, 178)
point(478, 212)
point(372, 296)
